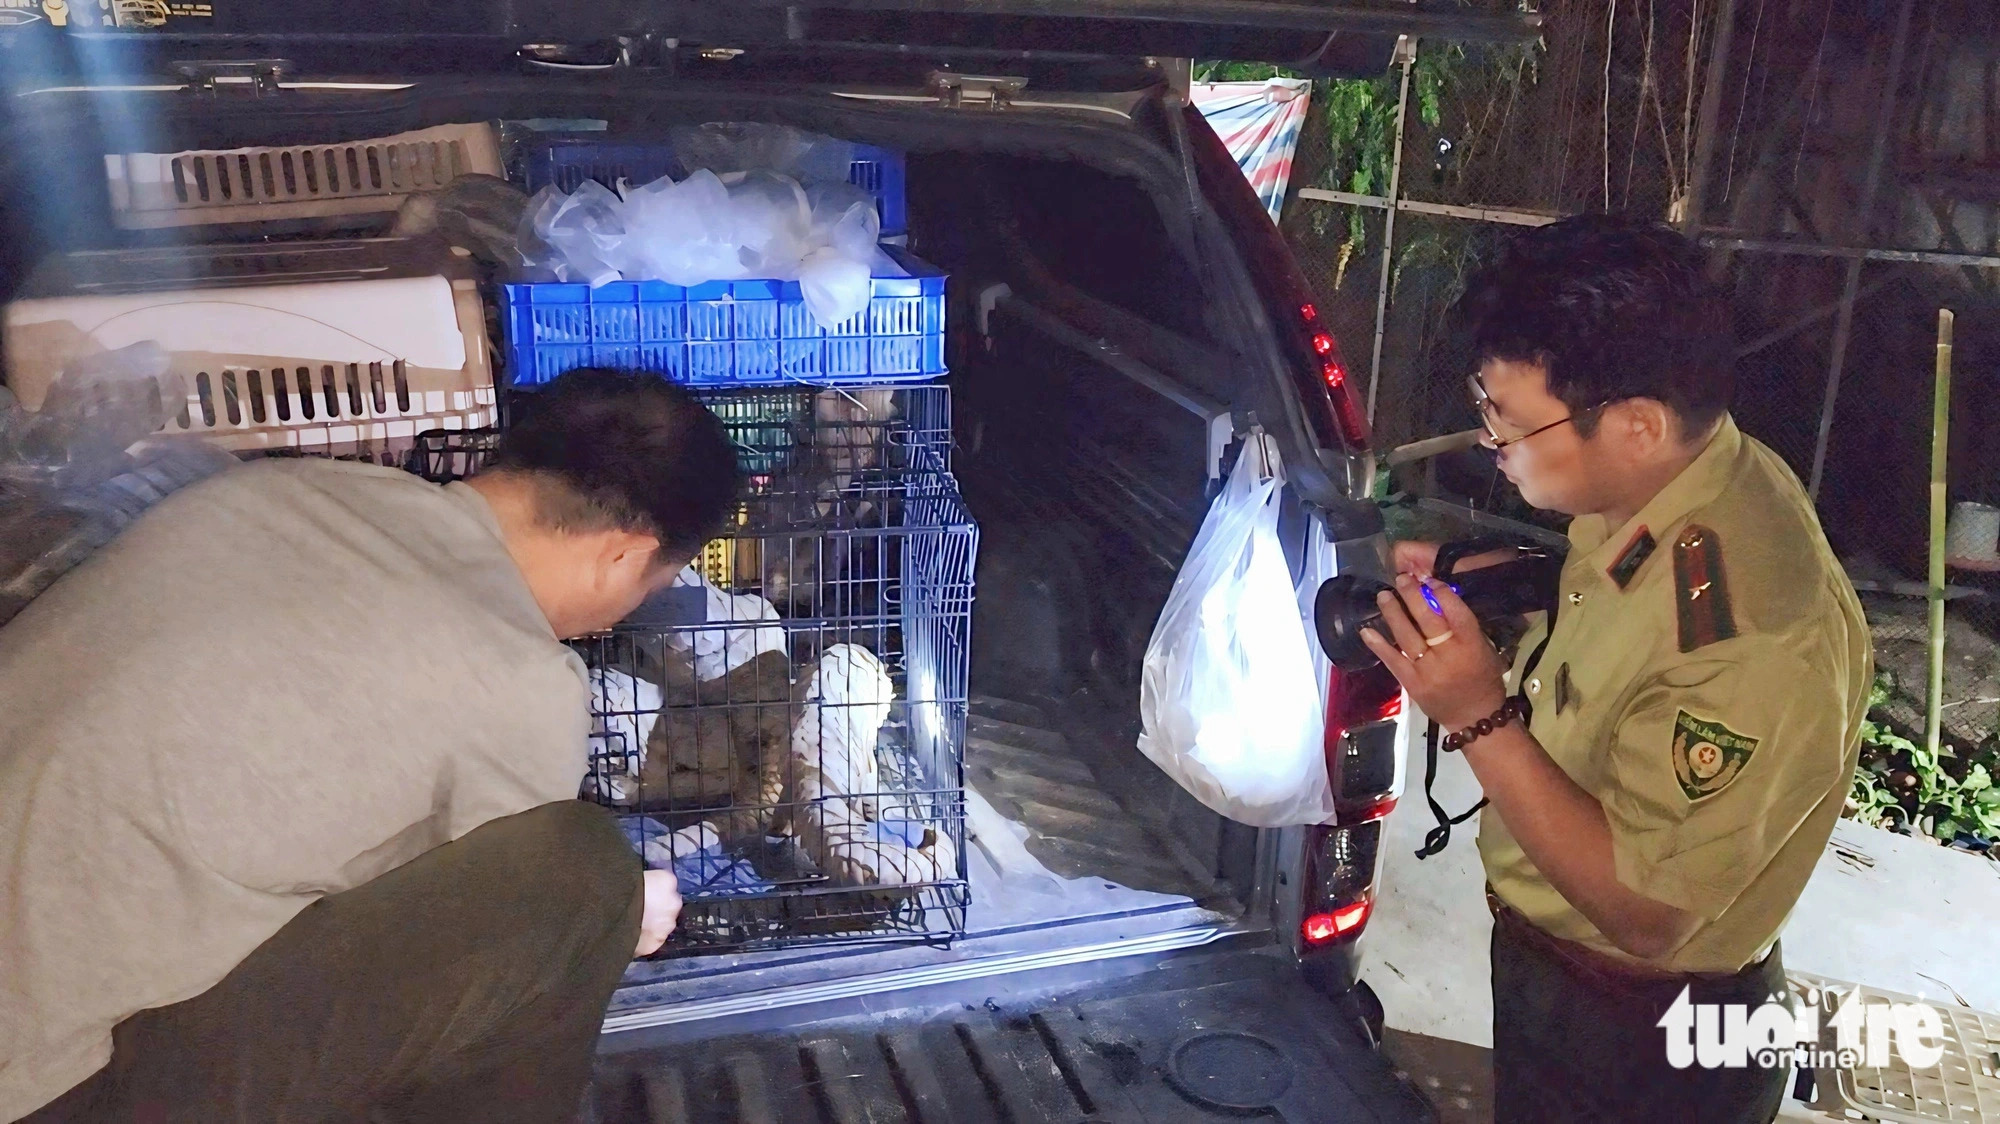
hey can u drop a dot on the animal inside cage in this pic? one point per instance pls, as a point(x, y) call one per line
point(796, 756)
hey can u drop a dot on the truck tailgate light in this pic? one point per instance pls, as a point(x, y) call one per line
point(1323, 927)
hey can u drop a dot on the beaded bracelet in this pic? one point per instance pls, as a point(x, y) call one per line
point(1508, 712)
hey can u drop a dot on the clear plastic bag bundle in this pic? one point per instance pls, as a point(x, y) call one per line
point(745, 224)
point(479, 212)
point(843, 236)
point(566, 234)
point(723, 147)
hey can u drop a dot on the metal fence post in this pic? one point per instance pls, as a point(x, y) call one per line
point(1694, 200)
point(1406, 50)
point(1844, 329)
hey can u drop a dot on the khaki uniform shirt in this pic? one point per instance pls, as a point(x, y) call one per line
point(276, 685)
point(1706, 682)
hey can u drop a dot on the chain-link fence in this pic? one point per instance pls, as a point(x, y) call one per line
point(1837, 160)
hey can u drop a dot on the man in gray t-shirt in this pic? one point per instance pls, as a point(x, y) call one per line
point(287, 780)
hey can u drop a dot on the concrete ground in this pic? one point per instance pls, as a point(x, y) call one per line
point(1882, 909)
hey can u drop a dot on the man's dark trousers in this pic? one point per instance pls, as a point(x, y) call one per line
point(467, 984)
point(1573, 1042)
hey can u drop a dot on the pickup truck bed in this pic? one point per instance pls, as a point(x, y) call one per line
point(1219, 1036)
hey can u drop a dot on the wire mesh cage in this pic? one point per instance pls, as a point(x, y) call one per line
point(805, 432)
point(795, 757)
point(784, 728)
point(444, 455)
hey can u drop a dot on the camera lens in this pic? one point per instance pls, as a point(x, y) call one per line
point(1344, 606)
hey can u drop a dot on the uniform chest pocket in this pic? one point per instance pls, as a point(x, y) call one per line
point(1588, 676)
point(1584, 686)
point(1688, 676)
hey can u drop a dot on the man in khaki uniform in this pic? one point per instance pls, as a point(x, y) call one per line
point(1680, 741)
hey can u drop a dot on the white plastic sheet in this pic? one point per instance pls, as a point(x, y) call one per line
point(1317, 567)
point(1229, 701)
point(716, 652)
point(624, 709)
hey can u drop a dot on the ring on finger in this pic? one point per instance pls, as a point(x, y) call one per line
point(1434, 641)
point(1420, 655)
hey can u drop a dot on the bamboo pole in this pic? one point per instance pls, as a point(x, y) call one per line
point(1940, 433)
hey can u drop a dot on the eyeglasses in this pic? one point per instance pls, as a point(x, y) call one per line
point(1493, 440)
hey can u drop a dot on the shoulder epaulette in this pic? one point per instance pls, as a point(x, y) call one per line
point(1701, 595)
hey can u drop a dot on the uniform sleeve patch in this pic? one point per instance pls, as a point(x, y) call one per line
point(1708, 755)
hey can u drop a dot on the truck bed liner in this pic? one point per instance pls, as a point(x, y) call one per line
point(1220, 1037)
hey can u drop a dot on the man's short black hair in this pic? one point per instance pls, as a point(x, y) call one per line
point(632, 452)
point(1610, 308)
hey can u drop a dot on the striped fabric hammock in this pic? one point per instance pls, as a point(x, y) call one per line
point(1259, 122)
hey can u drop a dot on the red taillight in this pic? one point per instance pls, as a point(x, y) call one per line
point(1326, 393)
point(1333, 375)
point(1361, 769)
point(1337, 881)
point(1323, 927)
point(1357, 698)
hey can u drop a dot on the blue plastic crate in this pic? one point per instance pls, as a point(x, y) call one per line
point(727, 333)
point(568, 161)
point(879, 172)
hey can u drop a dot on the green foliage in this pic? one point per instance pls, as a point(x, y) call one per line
point(1450, 249)
point(1478, 94)
point(1361, 116)
point(1901, 785)
point(1361, 125)
point(1434, 72)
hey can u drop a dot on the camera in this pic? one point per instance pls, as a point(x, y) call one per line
point(1523, 584)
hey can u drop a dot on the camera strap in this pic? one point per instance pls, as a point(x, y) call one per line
point(1439, 837)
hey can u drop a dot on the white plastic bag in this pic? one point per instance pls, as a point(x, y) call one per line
point(771, 220)
point(682, 233)
point(567, 234)
point(1316, 569)
point(1229, 699)
point(834, 274)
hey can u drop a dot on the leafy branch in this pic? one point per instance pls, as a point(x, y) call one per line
point(1951, 796)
